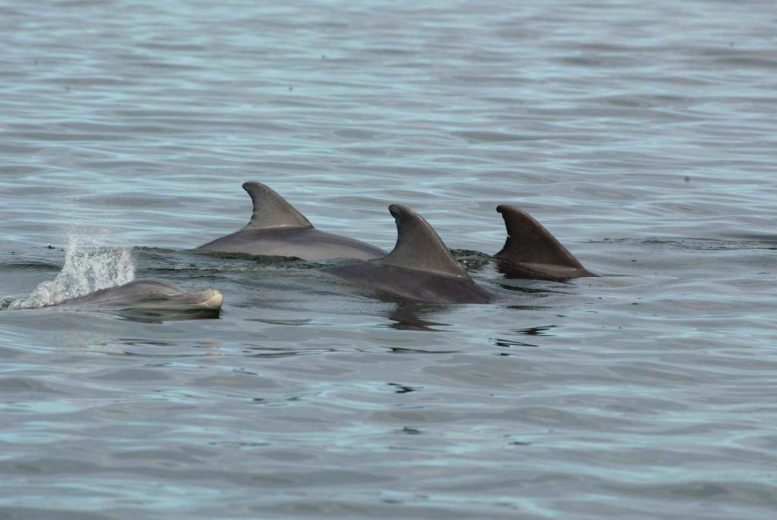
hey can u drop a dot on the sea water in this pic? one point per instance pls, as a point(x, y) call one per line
point(641, 134)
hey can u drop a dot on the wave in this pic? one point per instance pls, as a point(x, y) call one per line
point(87, 268)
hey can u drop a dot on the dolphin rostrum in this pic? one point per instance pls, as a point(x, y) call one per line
point(150, 299)
point(420, 268)
point(278, 229)
point(530, 251)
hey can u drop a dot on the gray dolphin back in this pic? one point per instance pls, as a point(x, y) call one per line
point(419, 246)
point(150, 300)
point(276, 228)
point(419, 268)
point(531, 251)
point(271, 210)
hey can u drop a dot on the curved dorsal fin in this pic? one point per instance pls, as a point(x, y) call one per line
point(529, 242)
point(418, 245)
point(271, 210)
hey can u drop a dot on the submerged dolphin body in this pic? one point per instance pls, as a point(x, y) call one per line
point(420, 268)
point(150, 299)
point(278, 229)
point(530, 251)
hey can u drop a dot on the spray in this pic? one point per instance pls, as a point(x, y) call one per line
point(87, 268)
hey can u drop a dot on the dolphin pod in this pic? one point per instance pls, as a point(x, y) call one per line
point(277, 228)
point(420, 268)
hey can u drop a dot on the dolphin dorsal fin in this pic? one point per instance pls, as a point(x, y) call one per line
point(529, 242)
point(418, 245)
point(271, 210)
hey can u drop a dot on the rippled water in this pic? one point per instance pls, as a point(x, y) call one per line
point(642, 135)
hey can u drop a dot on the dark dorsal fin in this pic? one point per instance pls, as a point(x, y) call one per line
point(418, 245)
point(271, 210)
point(529, 242)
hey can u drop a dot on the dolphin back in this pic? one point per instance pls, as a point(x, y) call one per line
point(419, 247)
point(271, 210)
point(150, 300)
point(419, 269)
point(531, 251)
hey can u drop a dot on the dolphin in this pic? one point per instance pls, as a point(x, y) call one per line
point(419, 269)
point(530, 251)
point(276, 228)
point(149, 299)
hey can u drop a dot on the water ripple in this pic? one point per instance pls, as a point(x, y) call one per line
point(641, 135)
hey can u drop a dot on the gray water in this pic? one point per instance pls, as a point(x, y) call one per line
point(641, 134)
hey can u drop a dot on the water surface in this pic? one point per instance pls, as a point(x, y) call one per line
point(642, 136)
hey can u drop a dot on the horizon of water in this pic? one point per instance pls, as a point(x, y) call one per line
point(641, 135)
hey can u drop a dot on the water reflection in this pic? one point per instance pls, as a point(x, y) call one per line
point(402, 389)
point(275, 352)
point(536, 331)
point(410, 316)
point(405, 350)
point(150, 348)
point(529, 331)
point(159, 316)
point(507, 343)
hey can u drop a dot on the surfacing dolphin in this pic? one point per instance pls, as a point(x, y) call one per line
point(150, 300)
point(278, 229)
point(530, 251)
point(420, 268)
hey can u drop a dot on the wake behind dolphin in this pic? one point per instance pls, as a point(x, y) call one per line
point(87, 268)
point(100, 279)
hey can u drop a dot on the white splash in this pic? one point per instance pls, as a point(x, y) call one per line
point(87, 268)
